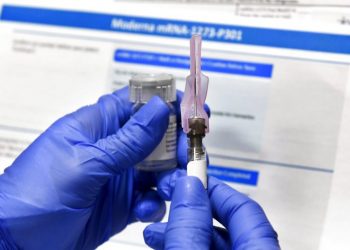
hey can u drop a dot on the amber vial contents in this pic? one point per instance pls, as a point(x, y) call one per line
point(142, 88)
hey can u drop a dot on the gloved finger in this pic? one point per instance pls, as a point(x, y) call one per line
point(166, 182)
point(149, 207)
point(154, 235)
point(144, 180)
point(221, 239)
point(244, 218)
point(190, 222)
point(182, 150)
point(135, 140)
point(179, 95)
point(102, 119)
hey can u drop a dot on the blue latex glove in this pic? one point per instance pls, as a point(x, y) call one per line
point(75, 186)
point(190, 220)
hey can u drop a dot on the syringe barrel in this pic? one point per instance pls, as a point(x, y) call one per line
point(196, 153)
point(197, 164)
point(197, 158)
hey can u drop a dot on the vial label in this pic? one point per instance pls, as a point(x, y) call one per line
point(166, 149)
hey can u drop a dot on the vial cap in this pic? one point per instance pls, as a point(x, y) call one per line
point(143, 87)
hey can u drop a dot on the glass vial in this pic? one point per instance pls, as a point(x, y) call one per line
point(142, 88)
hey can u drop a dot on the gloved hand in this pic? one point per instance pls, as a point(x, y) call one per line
point(75, 186)
point(190, 220)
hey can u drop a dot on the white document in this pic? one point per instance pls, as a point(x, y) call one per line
point(317, 12)
point(277, 92)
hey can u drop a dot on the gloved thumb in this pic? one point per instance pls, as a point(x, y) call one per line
point(190, 221)
point(110, 155)
point(137, 138)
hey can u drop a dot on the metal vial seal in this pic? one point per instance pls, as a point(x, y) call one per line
point(142, 88)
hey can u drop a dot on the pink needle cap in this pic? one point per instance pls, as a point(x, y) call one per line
point(192, 105)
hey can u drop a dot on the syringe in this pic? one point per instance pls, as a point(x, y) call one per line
point(195, 122)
